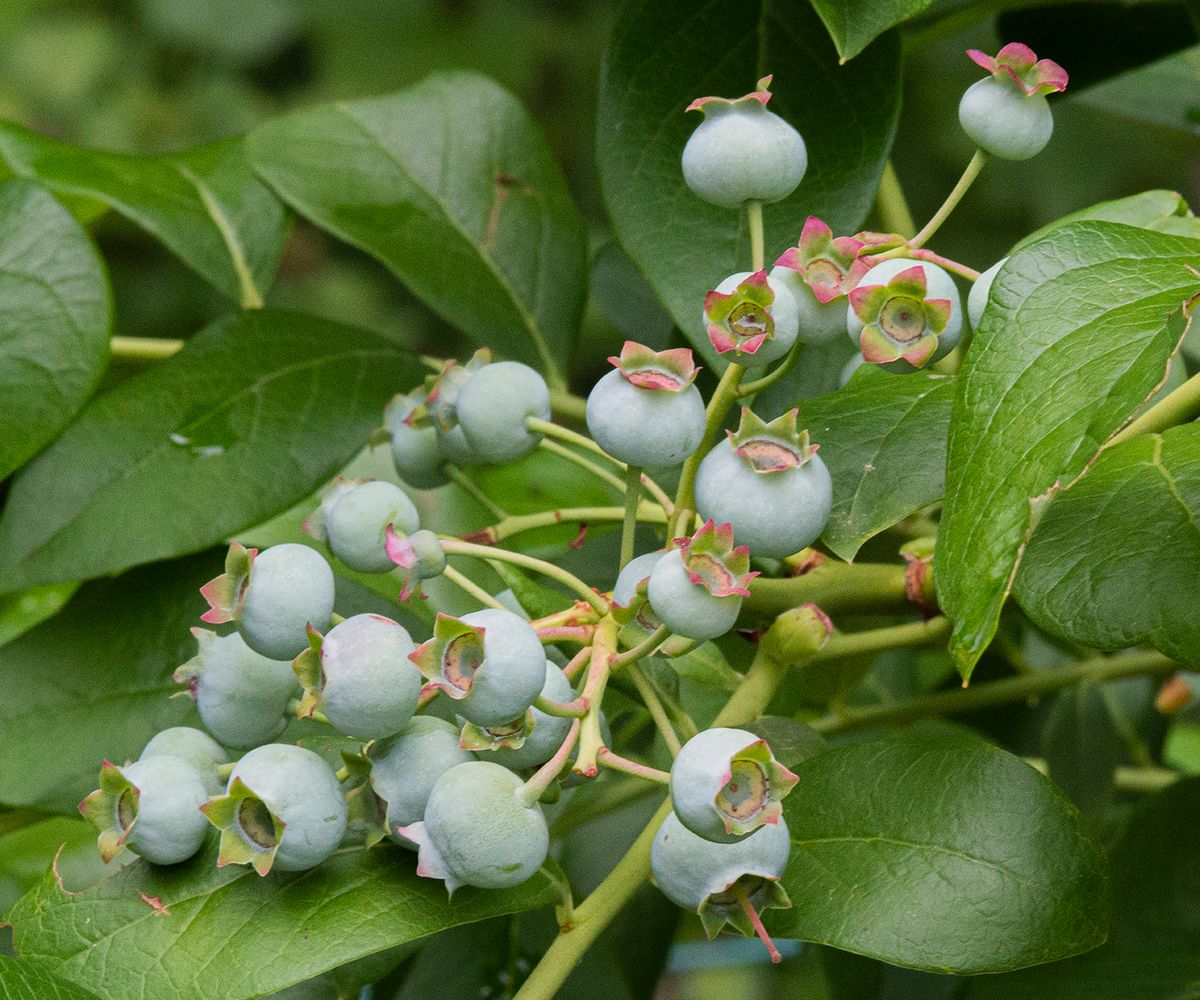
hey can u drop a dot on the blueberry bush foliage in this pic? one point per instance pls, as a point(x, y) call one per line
point(851, 605)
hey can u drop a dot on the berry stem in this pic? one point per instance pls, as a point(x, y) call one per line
point(544, 776)
point(461, 480)
point(142, 349)
point(225, 770)
point(576, 709)
point(633, 478)
point(894, 214)
point(952, 199)
point(754, 221)
point(768, 380)
point(577, 614)
point(454, 546)
point(472, 588)
point(655, 706)
point(599, 667)
point(921, 253)
point(643, 648)
point(581, 634)
point(616, 762)
point(577, 663)
point(739, 893)
point(723, 399)
point(836, 587)
point(554, 448)
point(518, 523)
point(841, 645)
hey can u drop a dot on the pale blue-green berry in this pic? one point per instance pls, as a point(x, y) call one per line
point(290, 588)
point(938, 284)
point(687, 608)
point(785, 319)
point(493, 406)
point(817, 322)
point(775, 513)
point(1003, 120)
point(645, 427)
point(298, 789)
point(696, 873)
point(977, 298)
point(725, 783)
point(369, 685)
point(633, 573)
point(415, 451)
point(549, 731)
point(743, 152)
point(405, 768)
point(443, 408)
point(358, 518)
point(241, 695)
point(850, 367)
point(478, 830)
point(194, 746)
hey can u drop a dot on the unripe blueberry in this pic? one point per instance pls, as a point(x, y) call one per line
point(478, 830)
point(490, 662)
point(414, 443)
point(726, 783)
point(356, 521)
point(442, 403)
point(1006, 114)
point(769, 483)
point(696, 589)
point(152, 807)
point(721, 882)
point(418, 557)
point(493, 406)
point(904, 314)
point(241, 695)
point(635, 571)
point(359, 675)
point(753, 315)
point(405, 768)
point(273, 595)
point(977, 298)
point(196, 747)
point(743, 152)
point(283, 809)
point(819, 272)
point(647, 412)
point(548, 731)
point(850, 367)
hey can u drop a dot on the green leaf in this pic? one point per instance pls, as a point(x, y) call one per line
point(23, 609)
point(1113, 560)
point(854, 24)
point(204, 204)
point(22, 981)
point(940, 853)
point(1163, 92)
point(790, 741)
point(1163, 211)
point(256, 411)
point(1077, 333)
point(453, 188)
point(230, 935)
point(883, 439)
point(55, 313)
point(665, 53)
point(26, 853)
point(1151, 953)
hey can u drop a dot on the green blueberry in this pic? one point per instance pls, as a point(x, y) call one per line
point(548, 732)
point(290, 587)
point(415, 451)
point(785, 318)
point(645, 427)
point(817, 322)
point(634, 572)
point(1003, 120)
point(358, 518)
point(194, 746)
point(493, 406)
point(687, 608)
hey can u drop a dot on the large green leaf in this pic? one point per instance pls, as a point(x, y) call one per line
point(854, 24)
point(451, 185)
point(204, 203)
point(226, 934)
point(663, 54)
point(940, 853)
point(1113, 560)
point(883, 438)
point(1077, 333)
point(55, 312)
point(255, 412)
point(1163, 211)
point(1153, 952)
point(22, 981)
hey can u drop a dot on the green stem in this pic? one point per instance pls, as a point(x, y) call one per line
point(454, 546)
point(143, 349)
point(655, 706)
point(759, 384)
point(995, 692)
point(643, 648)
point(835, 587)
point(567, 404)
point(633, 490)
point(576, 709)
point(952, 199)
point(461, 480)
point(604, 646)
point(544, 776)
point(841, 645)
point(554, 448)
point(894, 214)
point(723, 398)
point(616, 762)
point(518, 523)
point(472, 588)
point(1177, 407)
point(754, 221)
point(293, 708)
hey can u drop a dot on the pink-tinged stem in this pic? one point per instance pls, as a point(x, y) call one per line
point(757, 924)
point(576, 709)
point(577, 663)
point(616, 762)
point(544, 776)
point(581, 634)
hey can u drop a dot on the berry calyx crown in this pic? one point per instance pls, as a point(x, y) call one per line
point(1020, 64)
point(112, 809)
point(758, 97)
point(752, 790)
point(250, 831)
point(741, 320)
point(311, 674)
point(658, 371)
point(722, 906)
point(511, 736)
point(451, 658)
point(442, 389)
point(830, 265)
point(713, 562)
point(189, 673)
point(899, 321)
point(771, 447)
point(225, 593)
point(419, 556)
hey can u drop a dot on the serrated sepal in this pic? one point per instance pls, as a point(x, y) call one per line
point(1020, 64)
point(188, 673)
point(100, 808)
point(779, 783)
point(829, 265)
point(442, 389)
point(510, 737)
point(658, 371)
point(226, 592)
point(899, 322)
point(437, 658)
point(771, 447)
point(311, 675)
point(770, 895)
point(741, 320)
point(418, 557)
point(430, 863)
point(236, 848)
point(713, 562)
point(366, 812)
point(760, 95)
